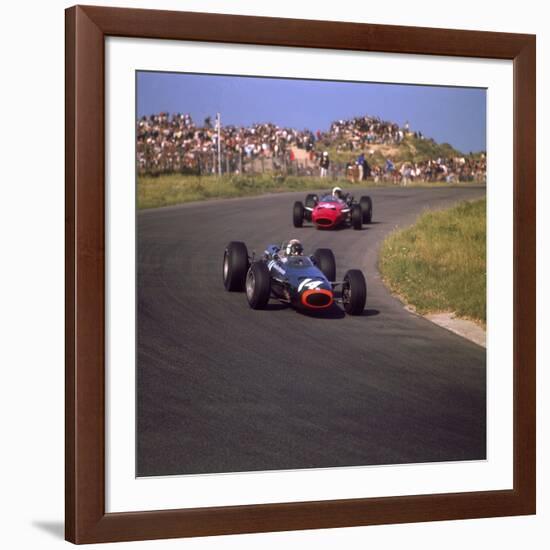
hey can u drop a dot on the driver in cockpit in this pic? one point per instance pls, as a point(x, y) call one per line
point(337, 193)
point(292, 248)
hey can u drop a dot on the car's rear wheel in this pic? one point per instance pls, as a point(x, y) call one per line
point(366, 208)
point(311, 202)
point(258, 285)
point(298, 214)
point(354, 292)
point(325, 261)
point(356, 217)
point(235, 266)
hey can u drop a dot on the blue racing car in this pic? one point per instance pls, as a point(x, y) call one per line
point(286, 274)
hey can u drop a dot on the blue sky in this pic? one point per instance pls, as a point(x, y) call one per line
point(453, 115)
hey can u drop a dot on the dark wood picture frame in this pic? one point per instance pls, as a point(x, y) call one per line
point(86, 30)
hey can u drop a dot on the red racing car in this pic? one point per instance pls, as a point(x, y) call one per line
point(332, 210)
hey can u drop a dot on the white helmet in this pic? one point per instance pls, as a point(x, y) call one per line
point(337, 192)
point(294, 248)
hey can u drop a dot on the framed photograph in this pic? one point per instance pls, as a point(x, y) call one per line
point(300, 274)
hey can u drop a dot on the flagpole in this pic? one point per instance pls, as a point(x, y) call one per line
point(218, 124)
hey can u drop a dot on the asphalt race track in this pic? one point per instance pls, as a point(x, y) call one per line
point(223, 388)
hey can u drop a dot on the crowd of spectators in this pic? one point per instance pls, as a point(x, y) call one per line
point(360, 132)
point(174, 143)
point(169, 143)
point(448, 170)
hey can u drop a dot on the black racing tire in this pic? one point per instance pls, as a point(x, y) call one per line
point(325, 261)
point(354, 292)
point(235, 266)
point(298, 214)
point(366, 207)
point(258, 285)
point(311, 202)
point(356, 217)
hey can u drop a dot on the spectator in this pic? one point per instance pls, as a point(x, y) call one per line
point(360, 164)
point(324, 164)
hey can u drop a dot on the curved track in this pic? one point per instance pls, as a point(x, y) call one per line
point(222, 388)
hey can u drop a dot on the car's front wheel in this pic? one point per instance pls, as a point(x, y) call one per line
point(298, 214)
point(366, 208)
point(235, 266)
point(354, 292)
point(258, 285)
point(356, 217)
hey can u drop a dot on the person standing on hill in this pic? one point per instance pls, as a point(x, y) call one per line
point(360, 164)
point(324, 164)
point(364, 168)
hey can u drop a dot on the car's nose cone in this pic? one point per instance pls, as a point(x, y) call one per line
point(317, 298)
point(324, 222)
point(325, 216)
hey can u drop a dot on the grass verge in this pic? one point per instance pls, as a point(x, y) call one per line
point(439, 264)
point(167, 190)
